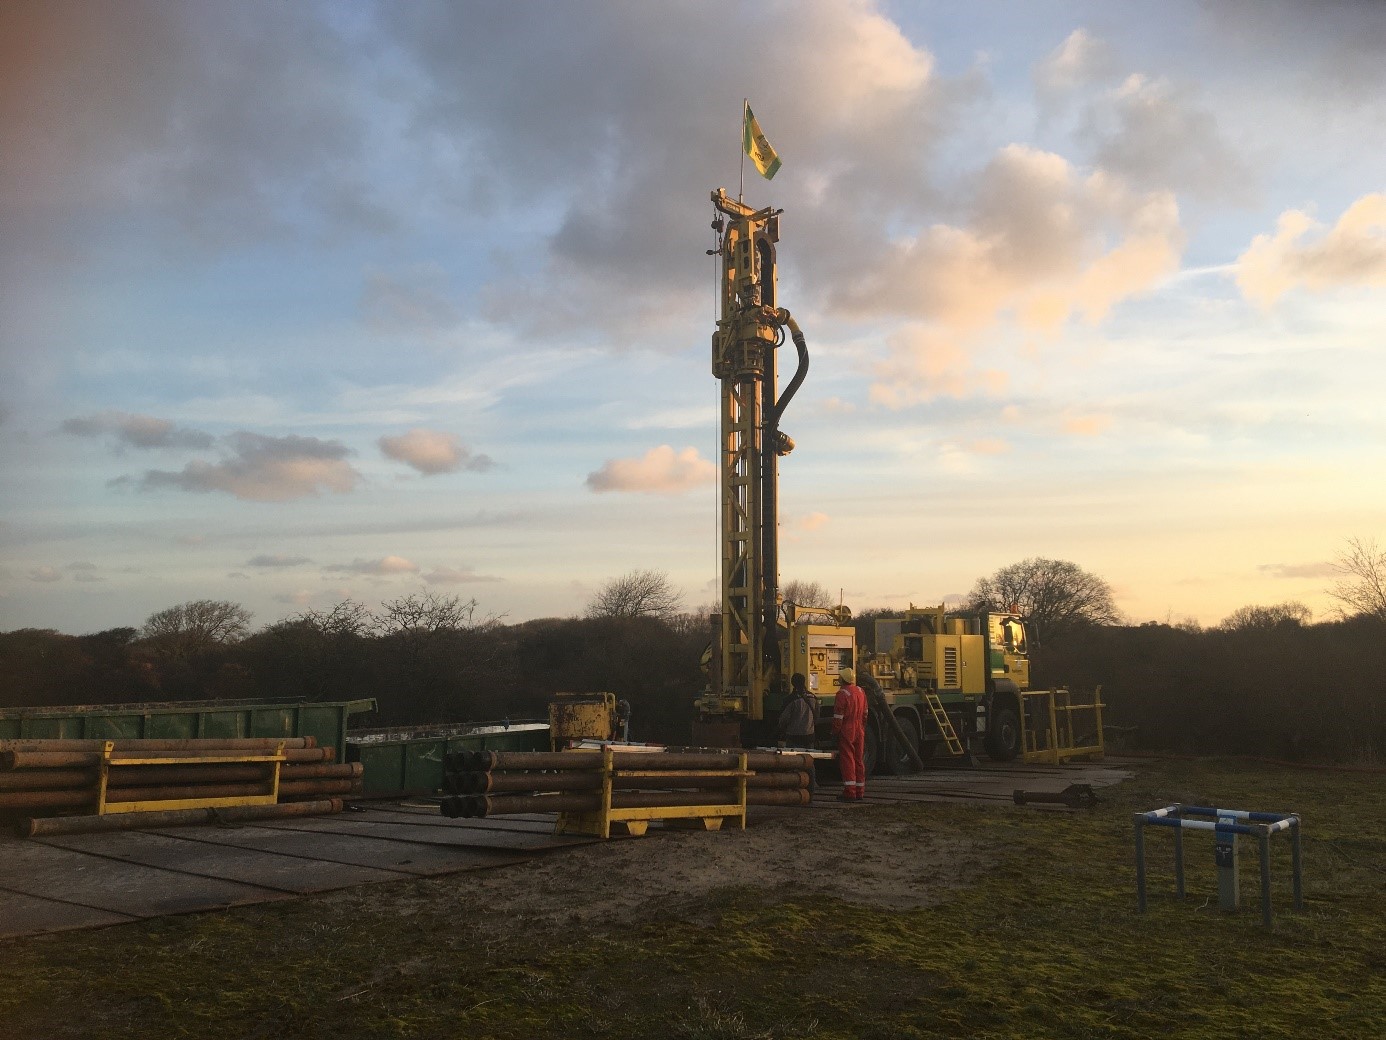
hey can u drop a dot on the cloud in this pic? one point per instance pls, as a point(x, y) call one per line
point(137, 431)
point(1157, 136)
point(1351, 253)
point(453, 576)
point(380, 568)
point(1043, 242)
point(924, 363)
point(1081, 59)
point(45, 574)
point(615, 132)
point(85, 571)
point(265, 469)
point(810, 521)
point(660, 471)
point(432, 452)
point(1298, 570)
point(415, 302)
point(228, 119)
point(276, 560)
point(297, 598)
point(1085, 425)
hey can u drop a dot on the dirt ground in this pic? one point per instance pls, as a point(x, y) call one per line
point(874, 855)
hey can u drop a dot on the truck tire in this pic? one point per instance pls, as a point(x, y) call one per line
point(895, 761)
point(1003, 736)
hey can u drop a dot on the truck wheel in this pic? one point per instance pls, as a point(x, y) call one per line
point(1003, 736)
point(896, 760)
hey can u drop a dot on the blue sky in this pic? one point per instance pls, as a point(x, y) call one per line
point(308, 301)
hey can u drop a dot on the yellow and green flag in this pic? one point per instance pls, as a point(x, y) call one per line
point(755, 145)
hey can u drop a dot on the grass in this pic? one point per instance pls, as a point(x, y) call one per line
point(1046, 944)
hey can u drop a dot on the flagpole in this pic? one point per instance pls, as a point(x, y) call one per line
point(745, 107)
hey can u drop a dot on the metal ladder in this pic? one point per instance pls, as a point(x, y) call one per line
point(945, 725)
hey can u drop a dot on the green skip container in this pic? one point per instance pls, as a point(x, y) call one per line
point(410, 761)
point(171, 720)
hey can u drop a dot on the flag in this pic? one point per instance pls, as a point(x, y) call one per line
point(755, 145)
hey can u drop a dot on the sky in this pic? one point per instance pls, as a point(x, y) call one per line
point(302, 302)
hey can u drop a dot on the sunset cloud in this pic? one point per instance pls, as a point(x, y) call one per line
point(265, 469)
point(1351, 253)
point(137, 431)
point(382, 567)
point(432, 452)
point(276, 560)
point(456, 576)
point(660, 471)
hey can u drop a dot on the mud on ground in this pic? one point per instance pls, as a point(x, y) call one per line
point(883, 856)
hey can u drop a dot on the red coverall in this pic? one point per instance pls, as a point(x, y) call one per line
point(849, 726)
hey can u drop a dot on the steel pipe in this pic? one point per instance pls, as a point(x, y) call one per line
point(10, 760)
point(156, 744)
point(34, 828)
point(47, 779)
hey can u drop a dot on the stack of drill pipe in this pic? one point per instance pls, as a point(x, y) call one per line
point(46, 776)
point(498, 783)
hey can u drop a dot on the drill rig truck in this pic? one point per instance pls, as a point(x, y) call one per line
point(937, 680)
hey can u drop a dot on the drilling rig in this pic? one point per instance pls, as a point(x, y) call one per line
point(757, 642)
point(939, 682)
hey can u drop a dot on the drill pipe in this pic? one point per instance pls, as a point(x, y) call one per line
point(512, 782)
point(78, 759)
point(47, 779)
point(176, 817)
point(481, 806)
point(46, 799)
point(489, 761)
point(144, 776)
point(157, 744)
point(165, 793)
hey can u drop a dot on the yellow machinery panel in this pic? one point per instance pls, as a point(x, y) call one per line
point(583, 716)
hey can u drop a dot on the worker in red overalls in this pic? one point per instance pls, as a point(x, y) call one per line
point(849, 726)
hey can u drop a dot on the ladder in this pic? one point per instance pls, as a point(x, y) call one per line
point(945, 725)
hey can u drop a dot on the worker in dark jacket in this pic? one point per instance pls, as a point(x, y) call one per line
point(799, 716)
point(798, 719)
point(849, 726)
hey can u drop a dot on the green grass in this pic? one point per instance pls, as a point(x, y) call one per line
point(1048, 943)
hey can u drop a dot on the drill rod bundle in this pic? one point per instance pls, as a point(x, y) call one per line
point(144, 779)
point(586, 786)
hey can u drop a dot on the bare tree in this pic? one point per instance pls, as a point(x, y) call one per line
point(1245, 618)
point(637, 594)
point(345, 619)
point(196, 626)
point(1055, 595)
point(807, 594)
point(427, 612)
point(1361, 587)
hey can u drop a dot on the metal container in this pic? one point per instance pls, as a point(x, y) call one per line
point(325, 720)
point(410, 761)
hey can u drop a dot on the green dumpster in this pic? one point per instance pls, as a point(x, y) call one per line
point(324, 720)
point(410, 761)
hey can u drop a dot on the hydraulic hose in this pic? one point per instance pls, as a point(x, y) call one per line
point(770, 444)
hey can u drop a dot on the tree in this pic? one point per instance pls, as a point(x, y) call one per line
point(806, 594)
point(196, 626)
point(639, 594)
point(1056, 596)
point(426, 612)
point(1247, 618)
point(1361, 587)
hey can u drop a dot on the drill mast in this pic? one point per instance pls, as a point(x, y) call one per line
point(747, 646)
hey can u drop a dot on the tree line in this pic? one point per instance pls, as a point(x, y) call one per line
point(1266, 680)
